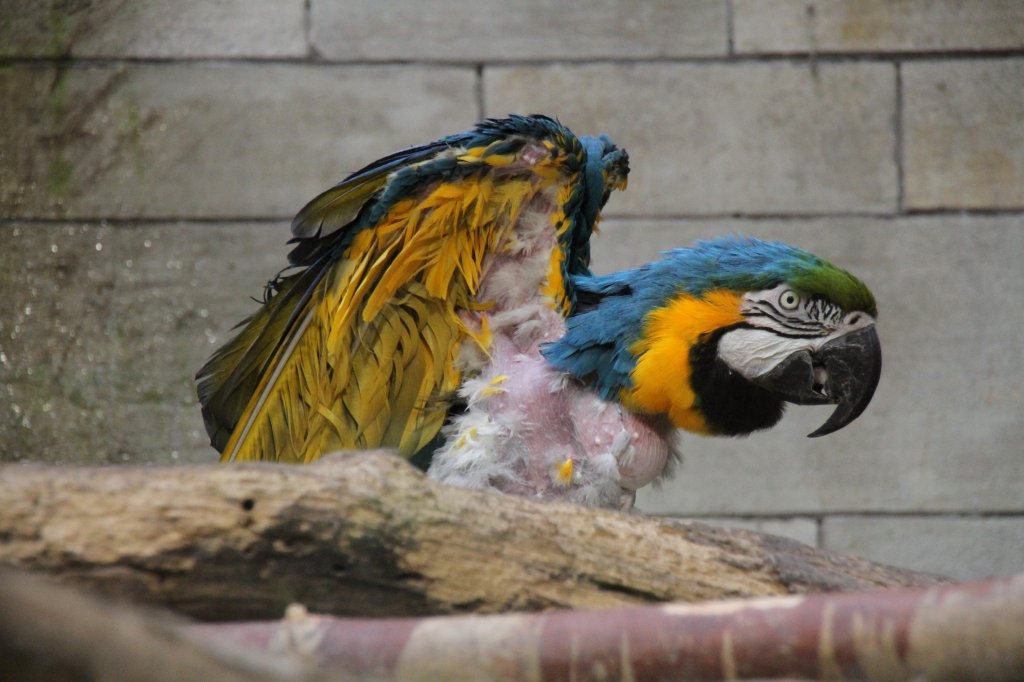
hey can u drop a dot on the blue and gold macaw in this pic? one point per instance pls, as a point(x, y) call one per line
point(441, 304)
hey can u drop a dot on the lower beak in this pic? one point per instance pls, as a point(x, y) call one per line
point(843, 372)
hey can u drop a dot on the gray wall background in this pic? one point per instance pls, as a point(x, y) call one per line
point(152, 153)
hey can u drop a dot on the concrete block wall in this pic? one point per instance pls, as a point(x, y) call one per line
point(152, 153)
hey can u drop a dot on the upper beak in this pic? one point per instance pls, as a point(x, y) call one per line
point(844, 372)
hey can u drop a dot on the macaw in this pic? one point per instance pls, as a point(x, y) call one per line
point(442, 304)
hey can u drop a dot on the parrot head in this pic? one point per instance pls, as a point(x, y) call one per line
point(719, 336)
point(805, 349)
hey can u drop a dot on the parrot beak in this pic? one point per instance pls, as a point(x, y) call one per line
point(842, 372)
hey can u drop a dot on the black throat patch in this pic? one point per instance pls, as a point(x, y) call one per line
point(731, 405)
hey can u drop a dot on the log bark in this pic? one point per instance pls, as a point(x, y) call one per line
point(367, 534)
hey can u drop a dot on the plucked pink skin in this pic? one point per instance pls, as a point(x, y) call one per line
point(547, 417)
point(561, 417)
point(524, 419)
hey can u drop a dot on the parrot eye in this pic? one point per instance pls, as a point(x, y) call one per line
point(789, 300)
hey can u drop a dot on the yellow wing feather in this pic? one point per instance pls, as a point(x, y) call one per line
point(373, 360)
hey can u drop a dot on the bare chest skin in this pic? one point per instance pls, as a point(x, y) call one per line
point(531, 430)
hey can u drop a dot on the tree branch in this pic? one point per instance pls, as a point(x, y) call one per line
point(951, 632)
point(53, 633)
point(366, 534)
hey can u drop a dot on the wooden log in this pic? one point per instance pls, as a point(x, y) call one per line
point(367, 534)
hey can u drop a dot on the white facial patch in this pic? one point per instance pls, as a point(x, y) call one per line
point(787, 311)
point(753, 352)
point(783, 322)
point(778, 333)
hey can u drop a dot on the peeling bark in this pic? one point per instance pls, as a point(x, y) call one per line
point(948, 632)
point(366, 534)
point(952, 632)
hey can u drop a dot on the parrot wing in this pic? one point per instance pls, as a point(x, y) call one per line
point(358, 348)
